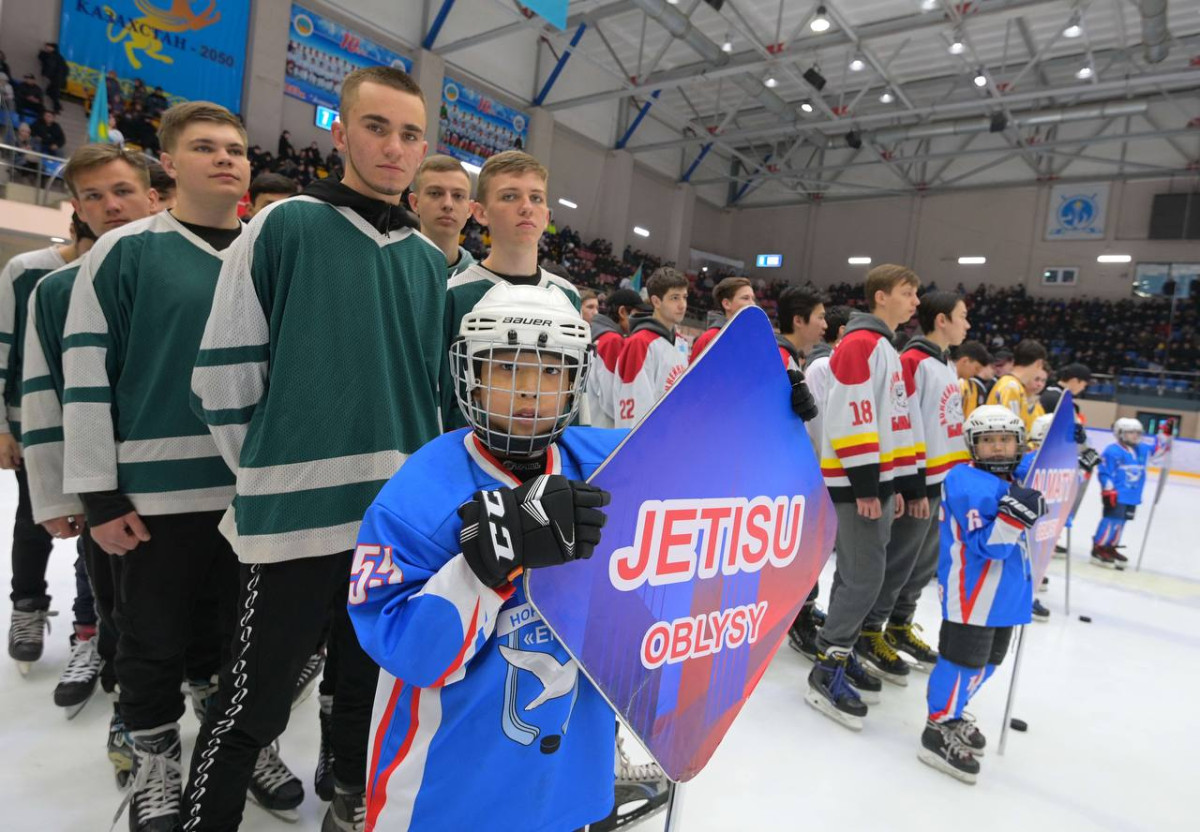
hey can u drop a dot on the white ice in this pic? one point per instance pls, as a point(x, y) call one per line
point(1113, 725)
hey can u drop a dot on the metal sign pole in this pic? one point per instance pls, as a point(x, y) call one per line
point(674, 809)
point(1067, 579)
point(1146, 536)
point(1012, 690)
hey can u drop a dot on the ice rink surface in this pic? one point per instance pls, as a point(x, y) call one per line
point(1113, 727)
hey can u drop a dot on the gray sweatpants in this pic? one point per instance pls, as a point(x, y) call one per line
point(912, 555)
point(861, 562)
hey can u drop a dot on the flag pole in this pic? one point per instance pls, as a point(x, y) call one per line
point(1012, 690)
point(674, 808)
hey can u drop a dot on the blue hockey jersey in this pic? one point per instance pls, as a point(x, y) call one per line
point(481, 719)
point(985, 577)
point(1123, 470)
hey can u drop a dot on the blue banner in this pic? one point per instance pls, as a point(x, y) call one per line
point(706, 558)
point(473, 126)
point(1055, 473)
point(322, 52)
point(193, 49)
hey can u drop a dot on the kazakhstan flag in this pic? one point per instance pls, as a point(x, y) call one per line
point(98, 122)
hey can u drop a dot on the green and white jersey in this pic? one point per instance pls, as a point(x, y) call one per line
point(464, 291)
point(318, 372)
point(133, 329)
point(465, 261)
point(16, 283)
point(41, 395)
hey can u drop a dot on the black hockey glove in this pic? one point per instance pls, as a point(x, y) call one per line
point(1025, 505)
point(1080, 434)
point(547, 521)
point(803, 403)
point(1089, 459)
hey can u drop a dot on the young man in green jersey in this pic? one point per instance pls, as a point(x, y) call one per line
point(318, 377)
point(511, 203)
point(151, 479)
point(441, 199)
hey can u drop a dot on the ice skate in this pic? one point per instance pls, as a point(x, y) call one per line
point(120, 748)
point(347, 812)
point(641, 791)
point(201, 692)
point(970, 734)
point(903, 638)
point(78, 680)
point(27, 633)
point(323, 779)
point(1119, 561)
point(1102, 556)
point(867, 685)
point(944, 750)
point(830, 692)
point(154, 796)
point(308, 678)
point(1044, 586)
point(1040, 612)
point(880, 658)
point(802, 636)
point(274, 787)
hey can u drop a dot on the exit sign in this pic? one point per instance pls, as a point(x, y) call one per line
point(769, 261)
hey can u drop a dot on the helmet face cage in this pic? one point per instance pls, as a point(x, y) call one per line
point(1125, 426)
point(502, 390)
point(1002, 422)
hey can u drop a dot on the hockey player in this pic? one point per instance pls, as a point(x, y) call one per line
point(608, 336)
point(816, 366)
point(973, 363)
point(436, 587)
point(868, 460)
point(589, 305)
point(984, 583)
point(936, 411)
point(511, 203)
point(1122, 473)
point(1012, 390)
point(650, 363)
point(343, 257)
point(731, 295)
point(441, 199)
point(267, 189)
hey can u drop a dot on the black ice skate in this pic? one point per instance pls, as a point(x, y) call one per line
point(1119, 561)
point(347, 812)
point(830, 692)
point(308, 678)
point(903, 638)
point(120, 748)
point(1040, 611)
point(943, 749)
point(323, 779)
point(27, 632)
point(154, 796)
point(78, 680)
point(202, 692)
point(274, 787)
point(641, 790)
point(802, 635)
point(880, 658)
point(970, 735)
point(1103, 556)
point(867, 685)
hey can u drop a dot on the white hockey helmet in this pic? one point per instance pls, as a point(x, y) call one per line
point(1125, 426)
point(989, 419)
point(1041, 426)
point(512, 328)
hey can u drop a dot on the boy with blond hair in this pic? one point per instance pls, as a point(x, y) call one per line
point(441, 199)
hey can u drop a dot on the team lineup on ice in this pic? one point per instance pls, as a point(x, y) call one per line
point(485, 542)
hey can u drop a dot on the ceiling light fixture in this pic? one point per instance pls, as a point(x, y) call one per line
point(641, 232)
point(980, 79)
point(1114, 258)
point(806, 107)
point(771, 83)
point(567, 203)
point(820, 23)
point(1084, 73)
point(928, 5)
point(956, 46)
point(1073, 30)
point(887, 97)
point(859, 261)
point(971, 261)
point(856, 64)
point(727, 46)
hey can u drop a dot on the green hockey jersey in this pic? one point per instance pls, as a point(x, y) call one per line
point(133, 329)
point(318, 372)
point(16, 283)
point(41, 395)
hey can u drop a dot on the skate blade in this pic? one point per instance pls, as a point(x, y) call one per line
point(920, 666)
point(630, 813)
point(870, 697)
point(285, 815)
point(123, 778)
point(810, 656)
point(879, 673)
point(24, 667)
point(72, 711)
point(934, 761)
point(1103, 563)
point(820, 703)
point(306, 691)
point(1042, 619)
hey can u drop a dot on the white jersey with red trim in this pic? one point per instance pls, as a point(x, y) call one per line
point(936, 411)
point(481, 718)
point(649, 365)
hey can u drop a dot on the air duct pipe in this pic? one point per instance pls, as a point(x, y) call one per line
point(1156, 40)
point(965, 126)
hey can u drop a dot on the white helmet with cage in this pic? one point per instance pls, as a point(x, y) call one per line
point(991, 419)
point(509, 347)
point(1126, 425)
point(1041, 426)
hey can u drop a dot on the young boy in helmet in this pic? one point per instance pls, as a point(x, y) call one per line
point(984, 582)
point(1122, 474)
point(469, 671)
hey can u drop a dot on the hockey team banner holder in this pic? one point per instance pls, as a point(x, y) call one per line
point(1166, 445)
point(1054, 473)
point(702, 567)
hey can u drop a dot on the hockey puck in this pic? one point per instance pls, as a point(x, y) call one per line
point(1086, 619)
point(1018, 724)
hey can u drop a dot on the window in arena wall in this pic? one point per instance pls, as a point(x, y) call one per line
point(1060, 276)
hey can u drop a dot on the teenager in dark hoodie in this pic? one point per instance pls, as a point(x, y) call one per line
point(318, 377)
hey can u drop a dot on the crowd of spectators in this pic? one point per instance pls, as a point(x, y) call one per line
point(304, 166)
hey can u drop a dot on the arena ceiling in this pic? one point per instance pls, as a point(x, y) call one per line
point(893, 97)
